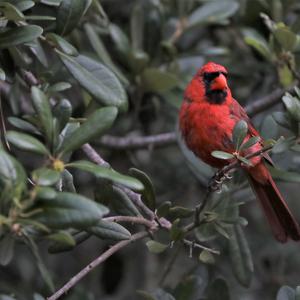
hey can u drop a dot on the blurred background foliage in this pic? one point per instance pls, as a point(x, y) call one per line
point(112, 73)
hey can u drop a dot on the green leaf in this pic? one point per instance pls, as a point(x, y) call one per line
point(32, 223)
point(245, 161)
point(158, 294)
point(67, 182)
point(26, 142)
point(155, 80)
point(2, 74)
point(43, 110)
point(63, 238)
point(221, 228)
point(12, 175)
point(191, 287)
point(292, 104)
point(258, 42)
point(78, 237)
point(251, 142)
point(282, 119)
point(24, 5)
point(59, 87)
point(45, 176)
point(120, 201)
point(62, 112)
point(239, 133)
point(110, 230)
point(99, 81)
point(23, 125)
point(176, 233)
point(180, 212)
point(218, 290)
point(36, 297)
point(283, 144)
point(69, 14)
point(212, 12)
point(96, 124)
point(222, 155)
point(11, 12)
point(297, 293)
point(206, 232)
point(69, 210)
point(137, 26)
point(284, 175)
point(51, 2)
point(43, 192)
point(164, 209)
point(40, 263)
point(102, 52)
point(156, 247)
point(107, 173)
point(19, 35)
point(7, 244)
point(206, 257)
point(62, 44)
point(40, 18)
point(286, 38)
point(285, 75)
point(240, 255)
point(285, 293)
point(120, 40)
point(148, 193)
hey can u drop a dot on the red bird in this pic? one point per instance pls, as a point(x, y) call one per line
point(207, 117)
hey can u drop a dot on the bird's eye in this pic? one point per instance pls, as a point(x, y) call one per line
point(225, 74)
point(210, 76)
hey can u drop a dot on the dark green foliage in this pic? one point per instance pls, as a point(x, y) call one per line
point(111, 74)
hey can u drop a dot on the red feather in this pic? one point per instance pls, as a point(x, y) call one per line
point(207, 117)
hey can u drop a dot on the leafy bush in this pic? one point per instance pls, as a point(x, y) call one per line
point(90, 94)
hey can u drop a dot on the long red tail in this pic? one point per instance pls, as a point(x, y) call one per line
point(281, 220)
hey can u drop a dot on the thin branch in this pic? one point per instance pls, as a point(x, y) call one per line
point(91, 153)
point(29, 77)
point(94, 156)
point(266, 102)
point(222, 174)
point(133, 220)
point(100, 259)
point(137, 142)
point(196, 245)
point(180, 26)
point(216, 184)
point(137, 200)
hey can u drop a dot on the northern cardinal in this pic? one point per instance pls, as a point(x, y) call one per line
point(207, 117)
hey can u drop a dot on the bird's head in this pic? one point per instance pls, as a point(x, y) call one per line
point(214, 78)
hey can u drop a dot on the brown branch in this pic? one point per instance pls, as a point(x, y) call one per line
point(266, 102)
point(216, 184)
point(100, 259)
point(133, 220)
point(196, 245)
point(136, 142)
point(91, 153)
point(94, 156)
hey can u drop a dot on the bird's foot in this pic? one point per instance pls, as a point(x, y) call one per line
point(216, 182)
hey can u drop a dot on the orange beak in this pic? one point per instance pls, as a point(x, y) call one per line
point(220, 83)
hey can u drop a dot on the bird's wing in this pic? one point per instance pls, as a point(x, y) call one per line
point(238, 112)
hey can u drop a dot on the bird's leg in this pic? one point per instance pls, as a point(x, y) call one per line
point(216, 182)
